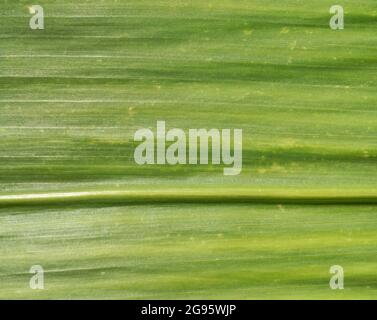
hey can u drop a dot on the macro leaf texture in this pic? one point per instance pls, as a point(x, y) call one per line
point(73, 200)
